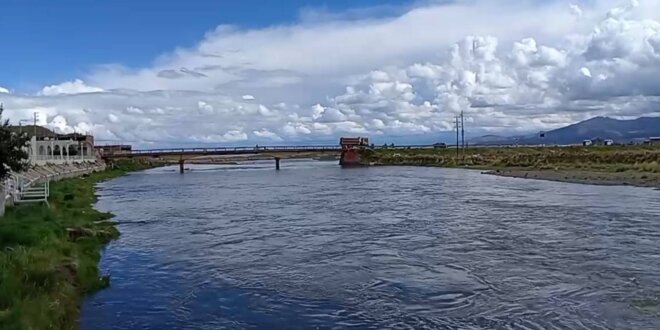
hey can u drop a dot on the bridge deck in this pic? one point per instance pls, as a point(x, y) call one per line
point(239, 150)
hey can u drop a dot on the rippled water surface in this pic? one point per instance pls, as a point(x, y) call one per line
point(317, 246)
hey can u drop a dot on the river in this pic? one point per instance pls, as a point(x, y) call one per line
point(317, 246)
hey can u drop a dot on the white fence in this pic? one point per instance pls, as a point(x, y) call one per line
point(47, 159)
point(20, 189)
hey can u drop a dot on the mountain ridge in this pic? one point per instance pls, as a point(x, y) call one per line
point(619, 130)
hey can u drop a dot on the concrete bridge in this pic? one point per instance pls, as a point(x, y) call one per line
point(183, 154)
point(276, 152)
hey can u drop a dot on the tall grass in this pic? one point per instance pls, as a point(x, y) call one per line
point(49, 255)
point(611, 158)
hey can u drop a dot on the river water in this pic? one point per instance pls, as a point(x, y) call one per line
point(317, 246)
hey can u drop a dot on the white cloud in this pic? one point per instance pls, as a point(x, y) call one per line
point(204, 108)
point(265, 133)
point(134, 110)
point(230, 136)
point(264, 111)
point(70, 87)
point(3, 90)
point(112, 118)
point(294, 129)
point(576, 10)
point(519, 65)
point(59, 124)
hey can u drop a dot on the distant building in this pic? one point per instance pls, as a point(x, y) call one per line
point(654, 140)
point(349, 150)
point(47, 146)
point(113, 149)
point(598, 142)
point(346, 142)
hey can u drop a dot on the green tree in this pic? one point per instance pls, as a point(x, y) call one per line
point(13, 151)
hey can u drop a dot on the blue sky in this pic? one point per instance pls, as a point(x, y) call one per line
point(48, 41)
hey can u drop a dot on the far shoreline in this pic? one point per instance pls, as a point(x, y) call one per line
point(637, 166)
point(644, 180)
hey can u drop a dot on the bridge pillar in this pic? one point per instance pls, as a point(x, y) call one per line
point(350, 157)
point(277, 163)
point(181, 166)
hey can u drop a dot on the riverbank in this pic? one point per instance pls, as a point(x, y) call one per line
point(584, 177)
point(49, 255)
point(628, 165)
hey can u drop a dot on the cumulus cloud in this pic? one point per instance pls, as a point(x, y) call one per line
point(3, 90)
point(265, 133)
point(113, 118)
point(576, 10)
point(230, 136)
point(134, 110)
point(204, 108)
point(70, 87)
point(520, 66)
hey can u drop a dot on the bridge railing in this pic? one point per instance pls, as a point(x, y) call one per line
point(227, 149)
point(256, 149)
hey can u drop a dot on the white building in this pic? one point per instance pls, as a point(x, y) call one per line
point(48, 147)
point(60, 151)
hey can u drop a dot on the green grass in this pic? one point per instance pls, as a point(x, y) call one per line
point(45, 270)
point(607, 159)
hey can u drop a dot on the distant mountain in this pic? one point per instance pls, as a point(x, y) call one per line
point(488, 139)
point(621, 131)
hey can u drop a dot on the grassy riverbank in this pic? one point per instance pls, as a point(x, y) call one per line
point(49, 255)
point(639, 165)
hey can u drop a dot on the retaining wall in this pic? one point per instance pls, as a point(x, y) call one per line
point(47, 172)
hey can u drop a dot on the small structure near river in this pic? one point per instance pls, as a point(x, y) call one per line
point(349, 150)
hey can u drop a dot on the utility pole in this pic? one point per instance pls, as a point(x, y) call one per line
point(456, 118)
point(462, 131)
point(36, 115)
point(462, 135)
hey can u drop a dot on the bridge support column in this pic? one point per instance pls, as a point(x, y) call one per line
point(277, 163)
point(181, 166)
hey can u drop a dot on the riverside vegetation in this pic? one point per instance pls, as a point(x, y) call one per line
point(634, 165)
point(49, 255)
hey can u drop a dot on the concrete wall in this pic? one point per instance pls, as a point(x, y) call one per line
point(41, 173)
point(73, 172)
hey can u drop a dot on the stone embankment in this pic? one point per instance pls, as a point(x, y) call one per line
point(55, 172)
point(42, 173)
